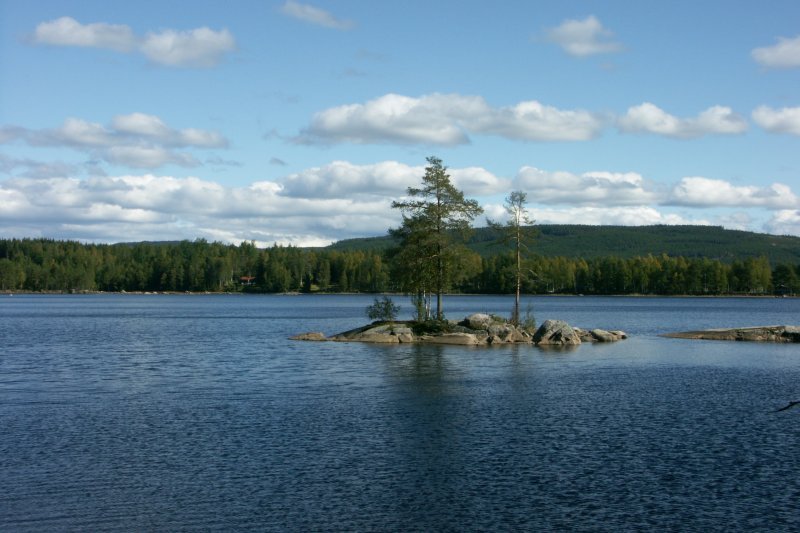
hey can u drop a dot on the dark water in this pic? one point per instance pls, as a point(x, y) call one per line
point(169, 413)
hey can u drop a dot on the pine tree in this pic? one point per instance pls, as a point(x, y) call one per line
point(435, 216)
point(517, 232)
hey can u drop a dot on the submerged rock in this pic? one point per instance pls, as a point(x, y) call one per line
point(310, 336)
point(755, 334)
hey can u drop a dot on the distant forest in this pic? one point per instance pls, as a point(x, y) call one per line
point(590, 260)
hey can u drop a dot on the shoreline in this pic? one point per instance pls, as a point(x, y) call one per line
point(80, 292)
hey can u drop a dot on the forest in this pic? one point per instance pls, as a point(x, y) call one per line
point(199, 266)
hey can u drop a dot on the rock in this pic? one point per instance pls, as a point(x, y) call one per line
point(556, 332)
point(463, 339)
point(604, 336)
point(377, 337)
point(406, 337)
point(756, 334)
point(478, 321)
point(475, 330)
point(310, 336)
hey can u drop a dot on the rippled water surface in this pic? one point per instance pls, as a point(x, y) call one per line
point(145, 412)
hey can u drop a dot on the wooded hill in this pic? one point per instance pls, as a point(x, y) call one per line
point(563, 259)
point(588, 242)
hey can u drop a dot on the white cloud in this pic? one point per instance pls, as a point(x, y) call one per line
point(446, 119)
point(706, 192)
point(590, 188)
point(476, 181)
point(67, 31)
point(785, 222)
point(341, 199)
point(583, 37)
point(784, 120)
point(152, 127)
point(389, 179)
point(199, 47)
point(649, 118)
point(617, 216)
point(315, 15)
point(341, 179)
point(137, 140)
point(146, 157)
point(146, 207)
point(785, 54)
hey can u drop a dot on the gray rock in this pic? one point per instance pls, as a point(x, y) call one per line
point(310, 336)
point(604, 336)
point(756, 334)
point(478, 321)
point(462, 339)
point(556, 332)
point(377, 337)
point(406, 337)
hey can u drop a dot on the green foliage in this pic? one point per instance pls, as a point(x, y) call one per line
point(627, 242)
point(434, 217)
point(528, 322)
point(517, 232)
point(49, 265)
point(431, 327)
point(383, 309)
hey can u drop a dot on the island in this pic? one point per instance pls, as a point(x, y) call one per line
point(755, 333)
point(478, 329)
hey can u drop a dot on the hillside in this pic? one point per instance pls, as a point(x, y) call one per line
point(588, 242)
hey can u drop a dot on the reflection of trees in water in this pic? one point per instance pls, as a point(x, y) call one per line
point(420, 361)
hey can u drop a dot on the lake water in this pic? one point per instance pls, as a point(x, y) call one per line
point(164, 413)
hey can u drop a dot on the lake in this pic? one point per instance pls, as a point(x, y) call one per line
point(194, 412)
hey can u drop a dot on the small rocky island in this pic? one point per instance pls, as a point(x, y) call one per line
point(756, 334)
point(478, 329)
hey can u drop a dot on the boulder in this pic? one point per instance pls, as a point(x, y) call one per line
point(556, 332)
point(478, 321)
point(507, 333)
point(604, 336)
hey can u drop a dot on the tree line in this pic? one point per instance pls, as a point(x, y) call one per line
point(52, 265)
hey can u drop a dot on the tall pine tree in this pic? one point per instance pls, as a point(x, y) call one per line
point(436, 218)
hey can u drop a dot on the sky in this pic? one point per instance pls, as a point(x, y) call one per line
point(299, 123)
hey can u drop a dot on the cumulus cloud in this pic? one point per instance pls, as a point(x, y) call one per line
point(590, 188)
point(341, 199)
point(390, 179)
point(137, 140)
point(139, 207)
point(200, 47)
point(583, 37)
point(784, 54)
point(616, 216)
point(447, 119)
point(31, 168)
point(315, 15)
point(784, 120)
point(706, 192)
point(785, 222)
point(66, 31)
point(649, 118)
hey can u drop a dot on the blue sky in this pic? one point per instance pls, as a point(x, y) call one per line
point(300, 122)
